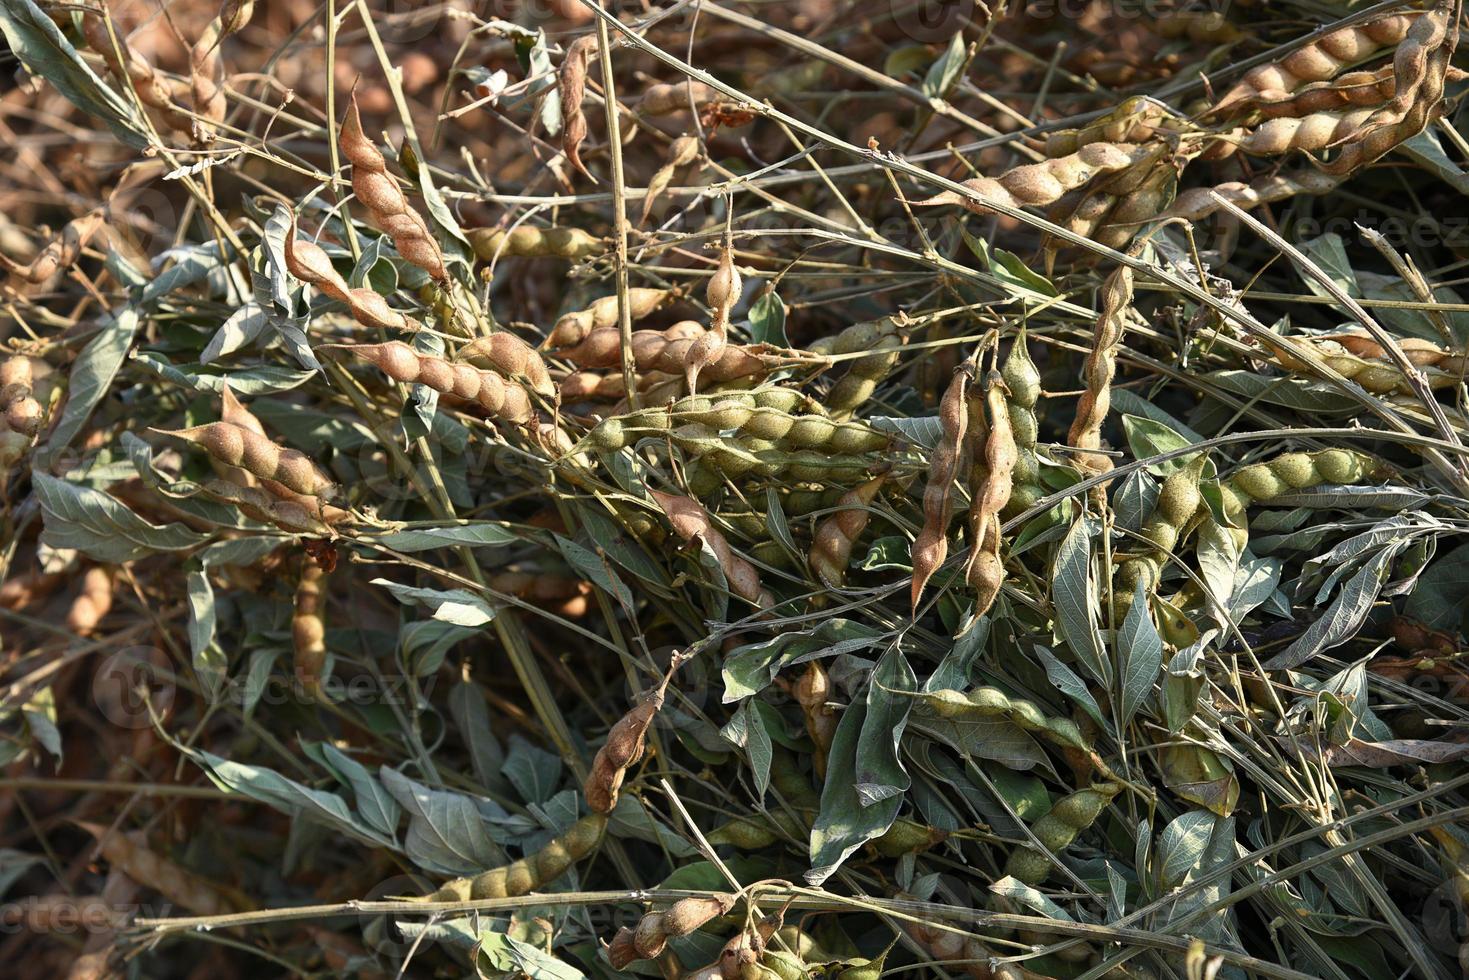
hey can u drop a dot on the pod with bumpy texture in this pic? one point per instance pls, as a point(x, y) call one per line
point(573, 328)
point(380, 194)
point(1057, 829)
point(1178, 500)
point(1317, 61)
point(257, 455)
point(931, 545)
point(530, 242)
point(532, 871)
point(1039, 184)
point(650, 936)
point(512, 357)
point(497, 397)
point(831, 546)
point(691, 522)
point(991, 702)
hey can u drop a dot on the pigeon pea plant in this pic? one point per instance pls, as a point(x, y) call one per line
point(757, 491)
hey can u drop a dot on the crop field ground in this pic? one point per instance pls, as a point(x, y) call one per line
point(734, 489)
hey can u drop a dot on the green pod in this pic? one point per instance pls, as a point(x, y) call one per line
point(1023, 425)
point(1021, 377)
point(531, 872)
point(702, 479)
point(767, 422)
point(783, 400)
point(1057, 829)
point(906, 837)
point(1027, 470)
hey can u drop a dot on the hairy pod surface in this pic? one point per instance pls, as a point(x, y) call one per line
point(1057, 829)
point(530, 242)
point(831, 547)
point(532, 871)
point(497, 397)
point(257, 455)
point(931, 545)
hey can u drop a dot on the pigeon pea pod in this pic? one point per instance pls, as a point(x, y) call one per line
point(1058, 829)
point(991, 702)
point(532, 871)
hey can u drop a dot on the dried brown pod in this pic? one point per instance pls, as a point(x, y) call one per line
point(508, 354)
point(722, 293)
point(650, 937)
point(665, 352)
point(126, 64)
point(681, 152)
point(931, 545)
point(92, 603)
point(565, 596)
point(1317, 61)
point(297, 514)
point(831, 546)
point(1411, 61)
point(129, 853)
point(380, 194)
point(1039, 184)
point(19, 409)
point(206, 64)
point(1101, 366)
point(665, 98)
point(813, 693)
point(308, 627)
point(692, 522)
point(309, 262)
point(573, 328)
point(572, 85)
point(60, 252)
point(624, 747)
point(257, 455)
point(1198, 204)
point(991, 496)
point(497, 397)
point(1134, 120)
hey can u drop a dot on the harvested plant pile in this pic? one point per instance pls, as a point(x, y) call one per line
point(824, 489)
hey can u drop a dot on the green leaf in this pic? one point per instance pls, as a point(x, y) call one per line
point(945, 71)
point(749, 669)
point(597, 570)
point(880, 773)
point(287, 796)
point(1141, 651)
point(1147, 438)
point(374, 804)
point(446, 831)
point(746, 729)
point(91, 375)
point(768, 319)
point(210, 662)
point(457, 606)
point(535, 773)
point(843, 824)
point(100, 526)
point(1330, 254)
point(472, 718)
point(1075, 593)
point(476, 535)
point(1441, 600)
point(38, 43)
point(1343, 618)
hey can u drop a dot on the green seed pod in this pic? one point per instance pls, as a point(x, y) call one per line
point(991, 702)
point(907, 837)
point(532, 871)
point(1020, 375)
point(1057, 829)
